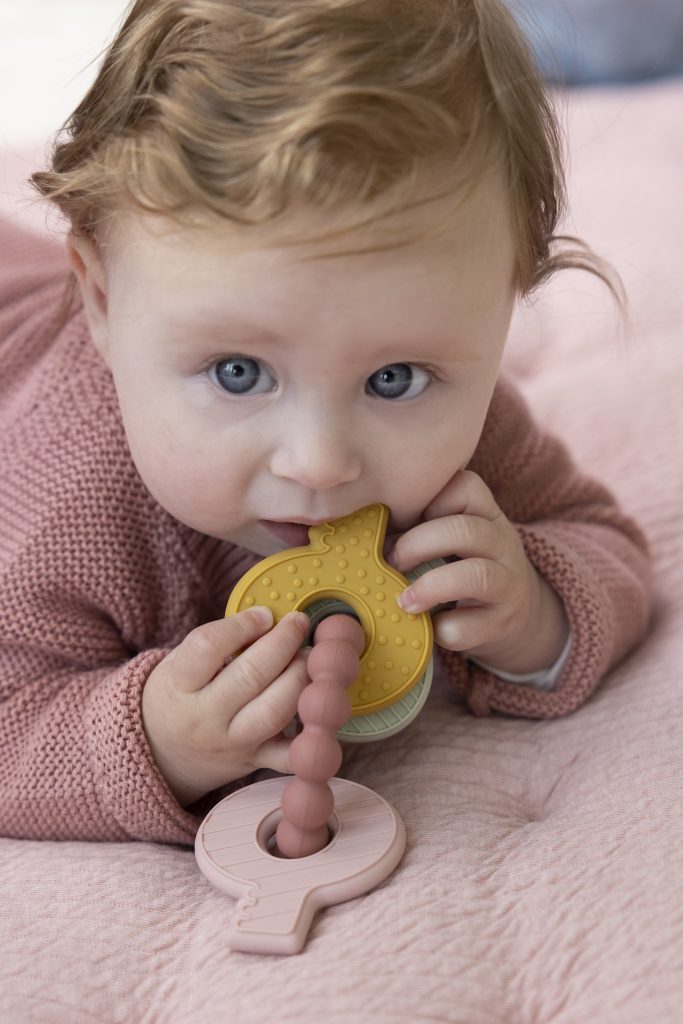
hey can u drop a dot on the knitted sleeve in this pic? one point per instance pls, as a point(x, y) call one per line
point(95, 585)
point(86, 613)
point(74, 761)
point(593, 555)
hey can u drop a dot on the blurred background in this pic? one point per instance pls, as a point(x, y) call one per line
point(46, 50)
point(587, 42)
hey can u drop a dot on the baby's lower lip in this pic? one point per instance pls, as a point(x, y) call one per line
point(295, 535)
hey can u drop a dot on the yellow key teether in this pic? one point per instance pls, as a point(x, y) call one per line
point(343, 561)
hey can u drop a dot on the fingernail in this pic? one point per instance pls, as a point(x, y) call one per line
point(300, 618)
point(263, 615)
point(392, 559)
point(406, 600)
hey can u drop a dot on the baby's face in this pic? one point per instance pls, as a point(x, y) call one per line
point(261, 383)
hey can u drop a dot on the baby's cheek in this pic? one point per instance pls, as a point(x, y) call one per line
point(415, 486)
point(183, 481)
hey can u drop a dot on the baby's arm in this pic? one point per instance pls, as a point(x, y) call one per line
point(593, 557)
point(95, 754)
point(74, 761)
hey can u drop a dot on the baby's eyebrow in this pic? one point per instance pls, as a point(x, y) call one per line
point(238, 332)
point(221, 328)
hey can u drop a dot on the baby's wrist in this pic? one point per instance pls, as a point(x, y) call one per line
point(537, 645)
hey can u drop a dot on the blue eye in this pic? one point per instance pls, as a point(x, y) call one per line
point(398, 380)
point(240, 375)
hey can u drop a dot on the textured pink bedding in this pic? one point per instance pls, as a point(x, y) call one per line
point(543, 878)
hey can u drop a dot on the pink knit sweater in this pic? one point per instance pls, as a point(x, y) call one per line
point(98, 582)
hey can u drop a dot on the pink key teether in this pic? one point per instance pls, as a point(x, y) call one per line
point(288, 847)
point(278, 897)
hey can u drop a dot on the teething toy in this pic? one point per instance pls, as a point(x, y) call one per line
point(289, 846)
point(277, 898)
point(343, 569)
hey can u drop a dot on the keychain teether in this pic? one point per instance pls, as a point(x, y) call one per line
point(291, 845)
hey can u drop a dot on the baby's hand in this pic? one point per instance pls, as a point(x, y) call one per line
point(212, 715)
point(508, 617)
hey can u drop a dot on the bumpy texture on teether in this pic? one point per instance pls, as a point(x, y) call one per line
point(343, 560)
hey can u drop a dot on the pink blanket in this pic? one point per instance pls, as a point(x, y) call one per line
point(543, 878)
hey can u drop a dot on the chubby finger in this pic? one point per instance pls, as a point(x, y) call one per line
point(252, 671)
point(274, 754)
point(477, 579)
point(464, 536)
point(274, 708)
point(465, 629)
point(205, 650)
point(464, 494)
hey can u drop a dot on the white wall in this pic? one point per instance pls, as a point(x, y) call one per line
point(45, 47)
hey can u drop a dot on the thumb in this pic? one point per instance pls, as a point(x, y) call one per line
point(274, 754)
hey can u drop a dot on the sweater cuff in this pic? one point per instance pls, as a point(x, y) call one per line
point(133, 795)
point(543, 679)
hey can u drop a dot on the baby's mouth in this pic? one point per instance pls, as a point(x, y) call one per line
point(295, 535)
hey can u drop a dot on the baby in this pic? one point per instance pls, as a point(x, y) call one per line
point(299, 232)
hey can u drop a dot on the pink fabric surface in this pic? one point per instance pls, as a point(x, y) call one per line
point(542, 882)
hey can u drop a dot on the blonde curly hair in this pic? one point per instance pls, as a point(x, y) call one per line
point(239, 108)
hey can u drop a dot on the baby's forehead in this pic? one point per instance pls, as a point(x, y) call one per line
point(438, 212)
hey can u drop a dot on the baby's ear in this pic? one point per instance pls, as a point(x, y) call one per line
point(85, 259)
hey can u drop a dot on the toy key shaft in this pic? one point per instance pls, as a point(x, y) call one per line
point(315, 754)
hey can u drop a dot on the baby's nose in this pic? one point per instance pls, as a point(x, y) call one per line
point(318, 458)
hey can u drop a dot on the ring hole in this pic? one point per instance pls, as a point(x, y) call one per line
point(272, 847)
point(322, 609)
point(267, 839)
